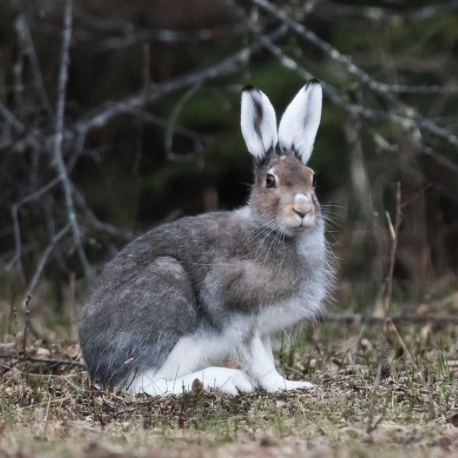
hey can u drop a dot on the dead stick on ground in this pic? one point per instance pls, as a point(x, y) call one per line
point(370, 419)
point(26, 327)
point(394, 231)
point(409, 318)
point(15, 330)
point(26, 323)
point(52, 361)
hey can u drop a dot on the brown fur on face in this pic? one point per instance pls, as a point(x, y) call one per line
point(292, 203)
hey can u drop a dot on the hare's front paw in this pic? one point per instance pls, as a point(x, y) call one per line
point(276, 382)
point(292, 385)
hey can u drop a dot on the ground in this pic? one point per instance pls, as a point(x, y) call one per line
point(410, 410)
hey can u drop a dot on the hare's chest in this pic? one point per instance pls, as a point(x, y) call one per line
point(248, 285)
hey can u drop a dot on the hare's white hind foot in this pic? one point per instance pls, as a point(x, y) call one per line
point(230, 381)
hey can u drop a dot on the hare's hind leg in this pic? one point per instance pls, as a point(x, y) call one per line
point(180, 370)
point(230, 381)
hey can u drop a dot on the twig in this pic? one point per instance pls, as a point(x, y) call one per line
point(14, 216)
point(26, 323)
point(11, 119)
point(58, 159)
point(327, 9)
point(15, 329)
point(44, 257)
point(404, 318)
point(140, 35)
point(388, 321)
point(415, 196)
point(152, 119)
point(171, 156)
point(394, 238)
point(370, 419)
point(100, 116)
point(382, 88)
point(169, 36)
point(406, 123)
point(113, 231)
point(26, 326)
point(19, 127)
point(146, 78)
point(55, 362)
point(29, 50)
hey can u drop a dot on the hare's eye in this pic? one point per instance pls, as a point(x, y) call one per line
point(270, 181)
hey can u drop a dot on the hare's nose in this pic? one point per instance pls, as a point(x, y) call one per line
point(300, 214)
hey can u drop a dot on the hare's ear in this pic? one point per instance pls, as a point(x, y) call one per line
point(299, 124)
point(259, 123)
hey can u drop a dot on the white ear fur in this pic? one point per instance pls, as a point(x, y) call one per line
point(258, 122)
point(299, 124)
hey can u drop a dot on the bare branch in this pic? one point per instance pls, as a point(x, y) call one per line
point(394, 231)
point(382, 88)
point(407, 318)
point(29, 50)
point(152, 119)
point(18, 126)
point(169, 36)
point(59, 162)
point(98, 225)
point(45, 255)
point(328, 9)
point(171, 128)
point(52, 361)
point(26, 322)
point(370, 420)
point(101, 115)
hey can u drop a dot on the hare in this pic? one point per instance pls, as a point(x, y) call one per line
point(187, 294)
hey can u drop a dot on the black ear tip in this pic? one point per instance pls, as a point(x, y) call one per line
point(312, 82)
point(249, 87)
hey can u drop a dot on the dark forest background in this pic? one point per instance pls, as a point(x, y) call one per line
point(150, 133)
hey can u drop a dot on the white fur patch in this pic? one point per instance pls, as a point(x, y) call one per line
point(300, 197)
point(258, 122)
point(244, 212)
point(299, 124)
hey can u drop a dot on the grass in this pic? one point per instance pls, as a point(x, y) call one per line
point(48, 411)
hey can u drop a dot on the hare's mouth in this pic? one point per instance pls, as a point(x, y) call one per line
point(301, 222)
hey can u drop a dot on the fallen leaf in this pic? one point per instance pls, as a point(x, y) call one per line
point(425, 330)
point(73, 350)
point(43, 352)
point(422, 309)
point(379, 310)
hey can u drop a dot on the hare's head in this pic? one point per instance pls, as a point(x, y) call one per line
point(283, 195)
